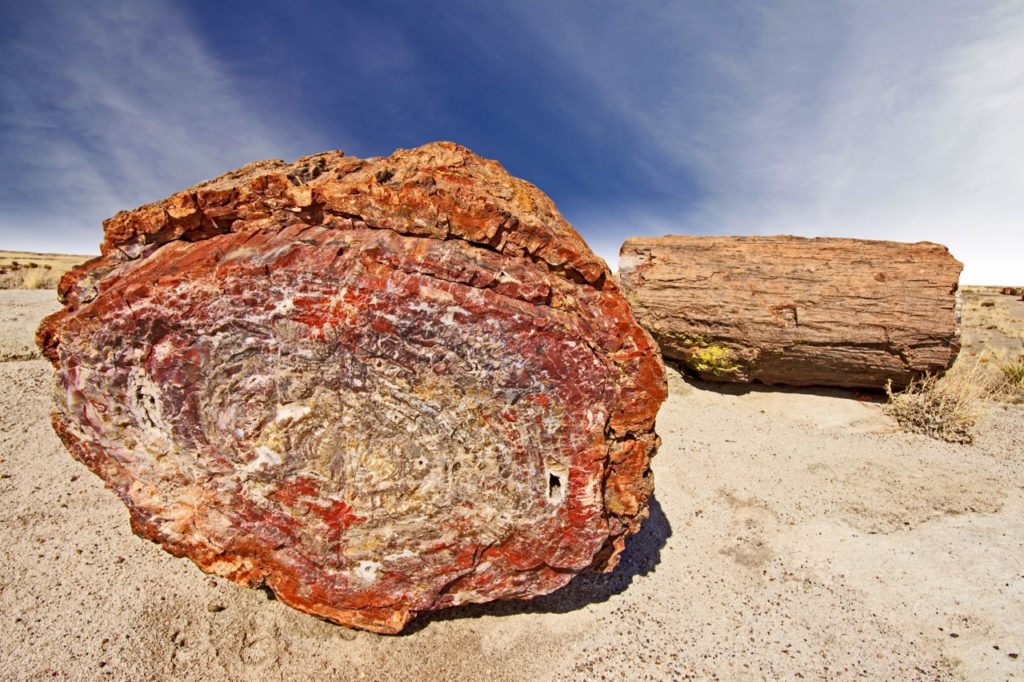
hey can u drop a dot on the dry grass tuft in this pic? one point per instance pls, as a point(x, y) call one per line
point(39, 279)
point(985, 373)
point(946, 408)
point(1011, 388)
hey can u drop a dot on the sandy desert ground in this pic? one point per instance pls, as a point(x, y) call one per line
point(796, 534)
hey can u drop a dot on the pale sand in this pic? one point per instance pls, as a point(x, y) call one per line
point(794, 533)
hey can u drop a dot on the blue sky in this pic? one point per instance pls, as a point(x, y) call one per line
point(876, 119)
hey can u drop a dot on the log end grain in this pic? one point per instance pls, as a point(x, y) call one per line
point(379, 386)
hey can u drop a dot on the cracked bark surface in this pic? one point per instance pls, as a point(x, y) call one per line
point(796, 311)
point(378, 386)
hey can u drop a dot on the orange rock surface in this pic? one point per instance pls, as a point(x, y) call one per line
point(379, 386)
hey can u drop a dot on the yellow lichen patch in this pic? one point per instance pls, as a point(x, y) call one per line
point(684, 340)
point(713, 360)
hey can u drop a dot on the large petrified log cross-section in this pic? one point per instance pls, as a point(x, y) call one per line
point(379, 387)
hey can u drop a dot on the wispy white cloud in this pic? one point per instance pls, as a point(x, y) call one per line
point(865, 119)
point(109, 105)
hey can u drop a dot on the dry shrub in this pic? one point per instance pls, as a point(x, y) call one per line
point(10, 280)
point(945, 407)
point(1011, 387)
point(38, 278)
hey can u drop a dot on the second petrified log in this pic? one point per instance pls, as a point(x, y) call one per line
point(377, 386)
point(797, 311)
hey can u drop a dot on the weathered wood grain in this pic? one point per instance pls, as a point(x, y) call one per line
point(797, 311)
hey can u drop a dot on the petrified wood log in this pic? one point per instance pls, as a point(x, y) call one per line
point(790, 310)
point(377, 386)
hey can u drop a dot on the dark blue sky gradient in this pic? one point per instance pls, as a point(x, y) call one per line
point(857, 118)
point(365, 77)
point(377, 76)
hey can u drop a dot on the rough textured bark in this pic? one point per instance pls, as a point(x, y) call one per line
point(790, 310)
point(377, 386)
